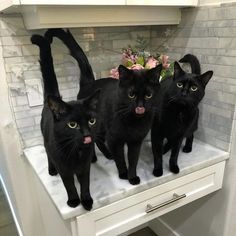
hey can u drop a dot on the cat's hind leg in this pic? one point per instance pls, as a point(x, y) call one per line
point(100, 142)
point(188, 144)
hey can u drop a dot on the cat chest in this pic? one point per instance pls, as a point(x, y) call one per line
point(173, 125)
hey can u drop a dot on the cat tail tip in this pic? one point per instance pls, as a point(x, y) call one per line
point(187, 58)
point(37, 39)
point(55, 32)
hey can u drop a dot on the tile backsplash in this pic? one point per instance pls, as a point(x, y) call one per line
point(211, 39)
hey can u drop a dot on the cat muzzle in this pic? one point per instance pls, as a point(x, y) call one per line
point(139, 110)
point(87, 140)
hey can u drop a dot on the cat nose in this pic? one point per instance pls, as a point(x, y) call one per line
point(87, 139)
point(139, 110)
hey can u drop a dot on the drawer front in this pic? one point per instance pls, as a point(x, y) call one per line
point(143, 207)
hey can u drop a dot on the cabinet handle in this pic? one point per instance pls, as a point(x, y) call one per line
point(175, 198)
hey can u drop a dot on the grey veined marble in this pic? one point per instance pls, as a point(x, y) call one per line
point(107, 188)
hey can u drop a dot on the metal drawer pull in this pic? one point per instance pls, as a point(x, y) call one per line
point(175, 198)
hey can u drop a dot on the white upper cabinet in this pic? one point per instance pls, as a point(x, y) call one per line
point(40, 14)
point(73, 2)
point(162, 2)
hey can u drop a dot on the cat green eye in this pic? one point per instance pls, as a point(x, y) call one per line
point(131, 95)
point(92, 121)
point(179, 85)
point(148, 96)
point(194, 88)
point(72, 124)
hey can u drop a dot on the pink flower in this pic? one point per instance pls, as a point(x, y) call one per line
point(114, 73)
point(151, 63)
point(136, 67)
point(165, 63)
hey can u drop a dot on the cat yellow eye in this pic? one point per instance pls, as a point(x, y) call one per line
point(72, 124)
point(148, 96)
point(179, 85)
point(92, 121)
point(131, 95)
point(194, 88)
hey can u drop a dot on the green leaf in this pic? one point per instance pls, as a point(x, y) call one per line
point(140, 61)
point(129, 63)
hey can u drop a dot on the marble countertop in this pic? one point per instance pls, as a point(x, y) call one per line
point(105, 185)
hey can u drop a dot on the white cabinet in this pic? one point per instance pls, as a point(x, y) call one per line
point(131, 212)
point(118, 206)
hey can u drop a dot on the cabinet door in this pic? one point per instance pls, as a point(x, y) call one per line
point(163, 2)
point(73, 2)
point(140, 208)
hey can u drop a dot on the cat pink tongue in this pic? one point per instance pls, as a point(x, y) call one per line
point(87, 140)
point(139, 110)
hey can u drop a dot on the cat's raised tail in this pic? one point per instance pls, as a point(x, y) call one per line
point(86, 72)
point(194, 63)
point(47, 68)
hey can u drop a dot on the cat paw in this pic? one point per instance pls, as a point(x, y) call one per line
point(174, 169)
point(123, 175)
point(158, 172)
point(87, 203)
point(73, 202)
point(135, 180)
point(52, 171)
point(187, 149)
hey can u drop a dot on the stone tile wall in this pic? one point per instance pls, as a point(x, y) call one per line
point(209, 33)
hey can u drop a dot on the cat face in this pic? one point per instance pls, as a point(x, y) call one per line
point(188, 89)
point(74, 122)
point(138, 90)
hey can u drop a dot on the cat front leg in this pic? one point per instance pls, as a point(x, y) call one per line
point(84, 180)
point(117, 150)
point(173, 162)
point(157, 150)
point(73, 198)
point(133, 156)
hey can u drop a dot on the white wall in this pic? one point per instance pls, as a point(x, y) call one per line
point(13, 168)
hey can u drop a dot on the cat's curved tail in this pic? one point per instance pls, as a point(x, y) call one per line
point(86, 72)
point(47, 68)
point(194, 63)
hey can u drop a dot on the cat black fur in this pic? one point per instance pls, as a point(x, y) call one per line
point(69, 150)
point(179, 114)
point(126, 110)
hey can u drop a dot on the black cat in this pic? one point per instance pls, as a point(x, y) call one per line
point(179, 113)
point(126, 109)
point(67, 129)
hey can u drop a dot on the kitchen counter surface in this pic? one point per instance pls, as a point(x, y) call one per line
point(105, 185)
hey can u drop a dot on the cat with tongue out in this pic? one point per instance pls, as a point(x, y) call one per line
point(67, 129)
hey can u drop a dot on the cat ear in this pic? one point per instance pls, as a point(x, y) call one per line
point(57, 106)
point(92, 100)
point(154, 73)
point(177, 70)
point(123, 72)
point(204, 78)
